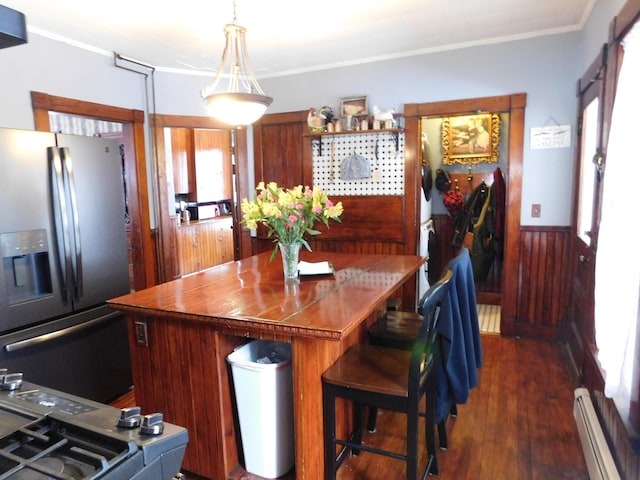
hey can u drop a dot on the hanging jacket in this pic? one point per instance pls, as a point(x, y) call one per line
point(465, 221)
point(483, 251)
point(499, 199)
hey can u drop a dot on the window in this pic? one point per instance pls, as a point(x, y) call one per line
point(587, 184)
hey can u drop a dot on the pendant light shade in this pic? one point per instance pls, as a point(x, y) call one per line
point(243, 102)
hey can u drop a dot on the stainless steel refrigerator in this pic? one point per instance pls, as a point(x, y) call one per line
point(64, 252)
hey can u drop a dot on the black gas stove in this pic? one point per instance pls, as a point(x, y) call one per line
point(47, 434)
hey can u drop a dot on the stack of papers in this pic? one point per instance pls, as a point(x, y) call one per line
point(317, 268)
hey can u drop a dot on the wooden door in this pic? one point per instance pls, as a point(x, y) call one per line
point(278, 153)
point(182, 156)
point(584, 231)
point(278, 149)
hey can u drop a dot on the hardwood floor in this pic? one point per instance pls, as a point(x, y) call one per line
point(517, 424)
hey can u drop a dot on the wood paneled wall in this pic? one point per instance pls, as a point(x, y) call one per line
point(543, 281)
point(542, 290)
point(370, 224)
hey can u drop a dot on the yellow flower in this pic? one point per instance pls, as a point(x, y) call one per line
point(334, 211)
point(289, 214)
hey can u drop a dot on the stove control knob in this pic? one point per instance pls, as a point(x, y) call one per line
point(129, 417)
point(10, 381)
point(152, 424)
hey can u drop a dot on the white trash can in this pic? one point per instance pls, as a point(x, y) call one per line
point(263, 385)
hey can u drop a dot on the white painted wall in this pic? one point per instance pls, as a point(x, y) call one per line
point(545, 68)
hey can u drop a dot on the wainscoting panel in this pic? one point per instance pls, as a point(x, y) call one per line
point(543, 286)
point(543, 268)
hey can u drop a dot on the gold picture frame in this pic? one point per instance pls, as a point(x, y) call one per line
point(353, 106)
point(470, 139)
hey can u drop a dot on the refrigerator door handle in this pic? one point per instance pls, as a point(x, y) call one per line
point(73, 204)
point(47, 337)
point(61, 219)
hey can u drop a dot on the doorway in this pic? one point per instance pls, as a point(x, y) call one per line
point(512, 106)
point(142, 239)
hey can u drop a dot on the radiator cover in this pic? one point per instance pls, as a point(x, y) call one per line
point(600, 462)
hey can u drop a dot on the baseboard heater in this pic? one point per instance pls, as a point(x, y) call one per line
point(600, 463)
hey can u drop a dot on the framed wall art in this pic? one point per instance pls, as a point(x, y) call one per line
point(353, 106)
point(470, 139)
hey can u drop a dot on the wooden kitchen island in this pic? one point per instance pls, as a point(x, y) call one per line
point(182, 331)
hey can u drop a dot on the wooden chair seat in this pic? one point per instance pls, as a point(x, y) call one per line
point(372, 369)
point(397, 329)
point(391, 379)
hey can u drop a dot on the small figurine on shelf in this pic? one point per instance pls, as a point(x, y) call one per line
point(384, 119)
point(316, 121)
point(327, 112)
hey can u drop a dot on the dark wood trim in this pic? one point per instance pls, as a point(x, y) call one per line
point(143, 238)
point(545, 228)
point(242, 236)
point(595, 71)
point(622, 23)
point(51, 103)
point(185, 121)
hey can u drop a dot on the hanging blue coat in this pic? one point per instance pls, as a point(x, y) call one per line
point(459, 330)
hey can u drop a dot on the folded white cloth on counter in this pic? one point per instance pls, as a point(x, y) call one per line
point(315, 268)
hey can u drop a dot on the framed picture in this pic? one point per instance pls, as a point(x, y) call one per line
point(353, 106)
point(470, 139)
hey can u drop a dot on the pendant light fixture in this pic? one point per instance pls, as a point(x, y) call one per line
point(243, 102)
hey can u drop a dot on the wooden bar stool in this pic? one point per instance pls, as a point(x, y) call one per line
point(397, 329)
point(391, 379)
point(458, 336)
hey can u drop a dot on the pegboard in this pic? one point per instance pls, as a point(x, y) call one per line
point(329, 152)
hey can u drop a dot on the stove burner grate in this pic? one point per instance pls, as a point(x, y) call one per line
point(49, 449)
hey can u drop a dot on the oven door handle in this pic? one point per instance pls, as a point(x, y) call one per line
point(30, 342)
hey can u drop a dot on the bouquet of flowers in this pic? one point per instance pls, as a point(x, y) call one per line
point(289, 214)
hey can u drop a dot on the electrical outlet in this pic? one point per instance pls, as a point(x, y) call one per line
point(535, 210)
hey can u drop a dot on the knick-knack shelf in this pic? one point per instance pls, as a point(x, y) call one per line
point(315, 136)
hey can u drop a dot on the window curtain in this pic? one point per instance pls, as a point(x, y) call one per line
point(617, 281)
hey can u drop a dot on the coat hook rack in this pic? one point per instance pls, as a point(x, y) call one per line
point(470, 175)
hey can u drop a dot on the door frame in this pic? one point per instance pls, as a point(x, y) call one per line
point(167, 243)
point(580, 318)
point(514, 105)
point(145, 272)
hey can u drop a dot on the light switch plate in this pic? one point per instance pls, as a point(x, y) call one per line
point(535, 210)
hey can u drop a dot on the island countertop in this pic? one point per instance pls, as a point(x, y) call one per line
point(251, 294)
point(181, 333)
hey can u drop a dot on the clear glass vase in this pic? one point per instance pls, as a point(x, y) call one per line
point(290, 252)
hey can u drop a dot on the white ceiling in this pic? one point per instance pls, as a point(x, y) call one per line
point(288, 36)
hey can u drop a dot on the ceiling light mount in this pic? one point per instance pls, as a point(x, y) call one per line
point(243, 102)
